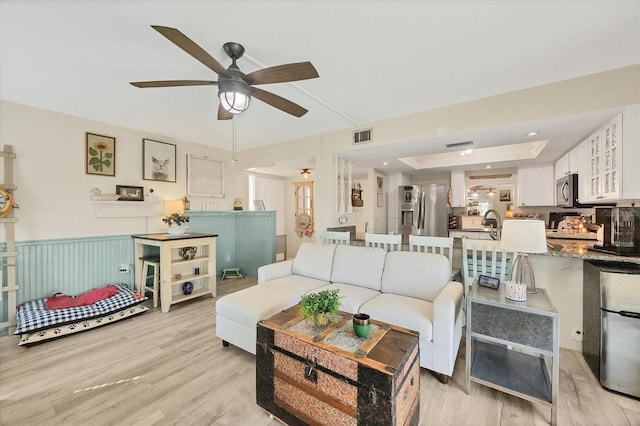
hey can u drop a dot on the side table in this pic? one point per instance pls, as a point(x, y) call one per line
point(201, 270)
point(514, 346)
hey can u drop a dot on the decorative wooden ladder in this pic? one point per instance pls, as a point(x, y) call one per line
point(10, 254)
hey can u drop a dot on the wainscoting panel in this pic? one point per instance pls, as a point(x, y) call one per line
point(70, 266)
point(255, 241)
point(246, 239)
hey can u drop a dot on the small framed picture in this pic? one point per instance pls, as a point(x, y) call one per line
point(158, 161)
point(258, 204)
point(130, 193)
point(100, 155)
point(505, 195)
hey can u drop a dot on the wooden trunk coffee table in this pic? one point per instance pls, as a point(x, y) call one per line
point(327, 375)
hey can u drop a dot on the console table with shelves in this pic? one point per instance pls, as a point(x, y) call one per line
point(514, 346)
point(175, 270)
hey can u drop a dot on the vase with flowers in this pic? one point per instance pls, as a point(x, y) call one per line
point(175, 222)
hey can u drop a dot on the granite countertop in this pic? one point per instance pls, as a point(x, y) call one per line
point(574, 248)
point(579, 249)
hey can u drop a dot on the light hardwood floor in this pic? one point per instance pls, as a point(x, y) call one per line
point(171, 369)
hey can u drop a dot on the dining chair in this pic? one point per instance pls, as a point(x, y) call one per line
point(389, 242)
point(438, 245)
point(485, 257)
point(336, 237)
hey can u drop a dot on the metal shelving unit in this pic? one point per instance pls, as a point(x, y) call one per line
point(514, 346)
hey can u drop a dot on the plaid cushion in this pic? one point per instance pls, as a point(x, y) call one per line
point(34, 315)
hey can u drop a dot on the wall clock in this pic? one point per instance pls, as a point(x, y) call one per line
point(6, 202)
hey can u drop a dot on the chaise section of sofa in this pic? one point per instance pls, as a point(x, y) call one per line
point(280, 286)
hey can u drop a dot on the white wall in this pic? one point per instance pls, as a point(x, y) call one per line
point(53, 189)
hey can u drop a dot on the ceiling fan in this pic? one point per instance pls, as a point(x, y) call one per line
point(235, 88)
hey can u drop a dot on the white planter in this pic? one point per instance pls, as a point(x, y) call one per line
point(177, 230)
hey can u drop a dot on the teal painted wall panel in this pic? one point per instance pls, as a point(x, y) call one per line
point(255, 241)
point(76, 265)
point(222, 224)
point(68, 266)
point(246, 239)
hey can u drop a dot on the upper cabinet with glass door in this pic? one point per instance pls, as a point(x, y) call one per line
point(304, 207)
point(605, 162)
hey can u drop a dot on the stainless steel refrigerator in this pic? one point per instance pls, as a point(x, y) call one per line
point(423, 210)
point(611, 324)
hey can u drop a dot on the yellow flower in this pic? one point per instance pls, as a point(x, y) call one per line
point(101, 146)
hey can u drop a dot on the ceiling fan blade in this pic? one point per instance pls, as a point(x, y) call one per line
point(223, 114)
point(282, 73)
point(172, 83)
point(189, 46)
point(278, 102)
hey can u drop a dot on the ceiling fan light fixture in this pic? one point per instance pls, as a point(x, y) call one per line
point(234, 97)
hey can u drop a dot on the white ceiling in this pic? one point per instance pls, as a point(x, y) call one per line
point(376, 60)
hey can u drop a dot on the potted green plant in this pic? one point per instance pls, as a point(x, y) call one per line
point(321, 307)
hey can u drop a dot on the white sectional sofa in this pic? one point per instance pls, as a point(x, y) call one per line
point(408, 289)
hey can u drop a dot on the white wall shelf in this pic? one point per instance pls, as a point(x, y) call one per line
point(127, 208)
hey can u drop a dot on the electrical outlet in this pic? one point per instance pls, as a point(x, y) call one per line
point(124, 268)
point(576, 334)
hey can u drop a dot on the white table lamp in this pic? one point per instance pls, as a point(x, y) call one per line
point(524, 237)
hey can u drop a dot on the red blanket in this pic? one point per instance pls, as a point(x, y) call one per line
point(88, 298)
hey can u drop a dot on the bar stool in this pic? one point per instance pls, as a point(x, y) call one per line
point(150, 261)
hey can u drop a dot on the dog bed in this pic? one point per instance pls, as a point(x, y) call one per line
point(36, 323)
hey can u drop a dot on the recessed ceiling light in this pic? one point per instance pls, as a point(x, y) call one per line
point(488, 166)
point(386, 163)
point(532, 133)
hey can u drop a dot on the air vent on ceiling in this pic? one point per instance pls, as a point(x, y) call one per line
point(362, 136)
point(458, 144)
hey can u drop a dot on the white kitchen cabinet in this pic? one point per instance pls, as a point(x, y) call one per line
point(568, 164)
point(536, 185)
point(458, 189)
point(605, 162)
point(583, 171)
point(561, 168)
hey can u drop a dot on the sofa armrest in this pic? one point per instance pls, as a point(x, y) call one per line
point(274, 270)
point(447, 309)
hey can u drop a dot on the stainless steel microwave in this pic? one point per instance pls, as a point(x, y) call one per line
point(567, 191)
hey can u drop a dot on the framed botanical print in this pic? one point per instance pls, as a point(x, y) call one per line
point(100, 155)
point(158, 161)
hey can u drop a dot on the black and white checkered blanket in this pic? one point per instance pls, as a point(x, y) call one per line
point(34, 315)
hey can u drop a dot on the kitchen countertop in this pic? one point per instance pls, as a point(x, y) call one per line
point(577, 248)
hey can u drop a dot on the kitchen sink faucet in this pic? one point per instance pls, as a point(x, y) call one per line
point(495, 235)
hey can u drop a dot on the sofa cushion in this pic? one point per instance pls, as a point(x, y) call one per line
point(408, 312)
point(415, 274)
point(361, 266)
point(351, 296)
point(314, 261)
point(262, 301)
